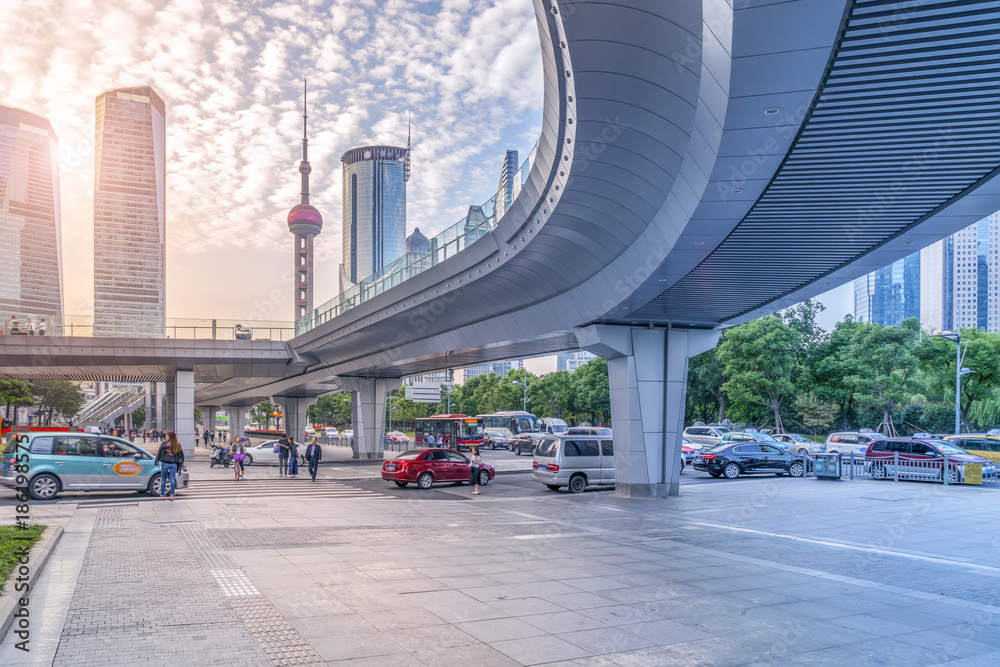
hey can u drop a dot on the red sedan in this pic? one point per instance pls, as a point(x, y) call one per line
point(426, 467)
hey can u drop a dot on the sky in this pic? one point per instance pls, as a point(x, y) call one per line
point(467, 73)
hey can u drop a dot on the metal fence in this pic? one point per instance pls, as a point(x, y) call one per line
point(909, 468)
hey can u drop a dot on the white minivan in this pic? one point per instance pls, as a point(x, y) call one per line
point(574, 461)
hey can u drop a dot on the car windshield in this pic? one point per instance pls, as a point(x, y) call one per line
point(560, 428)
point(410, 454)
point(498, 432)
point(949, 449)
point(798, 438)
point(877, 436)
point(721, 429)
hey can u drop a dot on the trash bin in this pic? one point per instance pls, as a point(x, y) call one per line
point(827, 466)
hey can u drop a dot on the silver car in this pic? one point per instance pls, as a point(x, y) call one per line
point(705, 435)
point(800, 444)
point(574, 461)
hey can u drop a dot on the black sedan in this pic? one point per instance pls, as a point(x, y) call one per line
point(524, 443)
point(730, 460)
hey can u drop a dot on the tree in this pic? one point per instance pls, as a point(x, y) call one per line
point(57, 397)
point(802, 318)
point(331, 410)
point(706, 400)
point(552, 395)
point(814, 413)
point(885, 365)
point(761, 363)
point(592, 391)
point(833, 372)
point(982, 355)
point(139, 417)
point(15, 394)
point(263, 413)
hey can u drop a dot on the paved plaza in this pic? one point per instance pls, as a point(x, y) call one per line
point(754, 571)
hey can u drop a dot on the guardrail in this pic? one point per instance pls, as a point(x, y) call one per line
point(189, 329)
point(909, 468)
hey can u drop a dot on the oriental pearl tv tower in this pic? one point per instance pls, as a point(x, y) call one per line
point(305, 222)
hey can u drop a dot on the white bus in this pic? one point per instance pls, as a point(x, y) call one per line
point(515, 421)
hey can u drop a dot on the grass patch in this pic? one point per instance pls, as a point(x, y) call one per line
point(11, 544)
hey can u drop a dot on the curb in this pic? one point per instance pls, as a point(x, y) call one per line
point(38, 557)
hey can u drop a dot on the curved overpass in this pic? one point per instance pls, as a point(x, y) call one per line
point(697, 167)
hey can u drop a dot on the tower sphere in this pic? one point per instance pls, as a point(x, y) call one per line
point(304, 219)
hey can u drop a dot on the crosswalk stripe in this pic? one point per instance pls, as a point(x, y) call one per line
point(271, 488)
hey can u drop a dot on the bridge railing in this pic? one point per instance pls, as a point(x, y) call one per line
point(477, 223)
point(29, 324)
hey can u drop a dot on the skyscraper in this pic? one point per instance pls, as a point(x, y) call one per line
point(961, 282)
point(501, 368)
point(889, 295)
point(570, 361)
point(30, 225)
point(305, 222)
point(130, 214)
point(374, 213)
point(506, 189)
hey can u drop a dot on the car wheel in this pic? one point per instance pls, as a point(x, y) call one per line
point(247, 460)
point(517, 450)
point(552, 487)
point(400, 484)
point(803, 452)
point(44, 487)
point(425, 480)
point(796, 469)
point(484, 478)
point(879, 472)
point(155, 483)
point(731, 471)
point(493, 445)
point(577, 484)
point(833, 451)
point(211, 463)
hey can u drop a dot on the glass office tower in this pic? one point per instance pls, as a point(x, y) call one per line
point(31, 283)
point(130, 214)
point(374, 209)
point(891, 294)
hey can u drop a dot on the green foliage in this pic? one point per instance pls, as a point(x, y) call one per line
point(56, 397)
point(814, 413)
point(706, 400)
point(15, 394)
point(982, 355)
point(11, 542)
point(139, 417)
point(884, 365)
point(263, 414)
point(761, 361)
point(330, 410)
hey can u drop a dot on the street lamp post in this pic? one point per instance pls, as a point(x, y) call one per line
point(524, 405)
point(956, 337)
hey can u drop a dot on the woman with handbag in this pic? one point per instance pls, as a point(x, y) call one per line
point(170, 457)
point(477, 465)
point(293, 458)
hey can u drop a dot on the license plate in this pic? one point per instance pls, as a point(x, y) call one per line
point(390, 467)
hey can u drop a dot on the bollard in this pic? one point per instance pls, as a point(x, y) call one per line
point(895, 466)
point(852, 464)
point(944, 470)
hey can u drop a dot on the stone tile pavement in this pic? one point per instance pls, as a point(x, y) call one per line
point(776, 572)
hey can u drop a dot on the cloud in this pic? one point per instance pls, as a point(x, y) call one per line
point(468, 73)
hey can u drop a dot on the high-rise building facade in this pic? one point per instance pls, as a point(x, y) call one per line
point(506, 189)
point(962, 279)
point(889, 295)
point(306, 223)
point(31, 283)
point(374, 210)
point(501, 368)
point(130, 214)
point(570, 361)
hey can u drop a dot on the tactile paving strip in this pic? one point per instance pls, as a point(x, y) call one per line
point(280, 642)
point(108, 518)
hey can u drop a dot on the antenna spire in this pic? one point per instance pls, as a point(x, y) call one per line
point(304, 167)
point(406, 162)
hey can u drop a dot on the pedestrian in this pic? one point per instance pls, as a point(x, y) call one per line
point(170, 457)
point(42, 326)
point(477, 465)
point(314, 456)
point(430, 440)
point(283, 452)
point(293, 458)
point(31, 327)
point(239, 454)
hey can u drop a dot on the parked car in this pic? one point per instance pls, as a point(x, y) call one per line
point(921, 458)
point(588, 430)
point(751, 435)
point(552, 426)
point(705, 435)
point(330, 432)
point(262, 453)
point(494, 437)
point(847, 442)
point(986, 445)
point(688, 451)
point(396, 436)
point(310, 431)
point(574, 462)
point(349, 434)
point(524, 442)
point(68, 461)
point(744, 458)
point(426, 467)
point(800, 444)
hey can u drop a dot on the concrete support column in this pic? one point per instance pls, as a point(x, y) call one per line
point(295, 415)
point(647, 371)
point(208, 414)
point(147, 405)
point(368, 413)
point(182, 412)
point(237, 416)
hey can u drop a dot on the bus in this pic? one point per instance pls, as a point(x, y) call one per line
point(452, 431)
point(515, 421)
